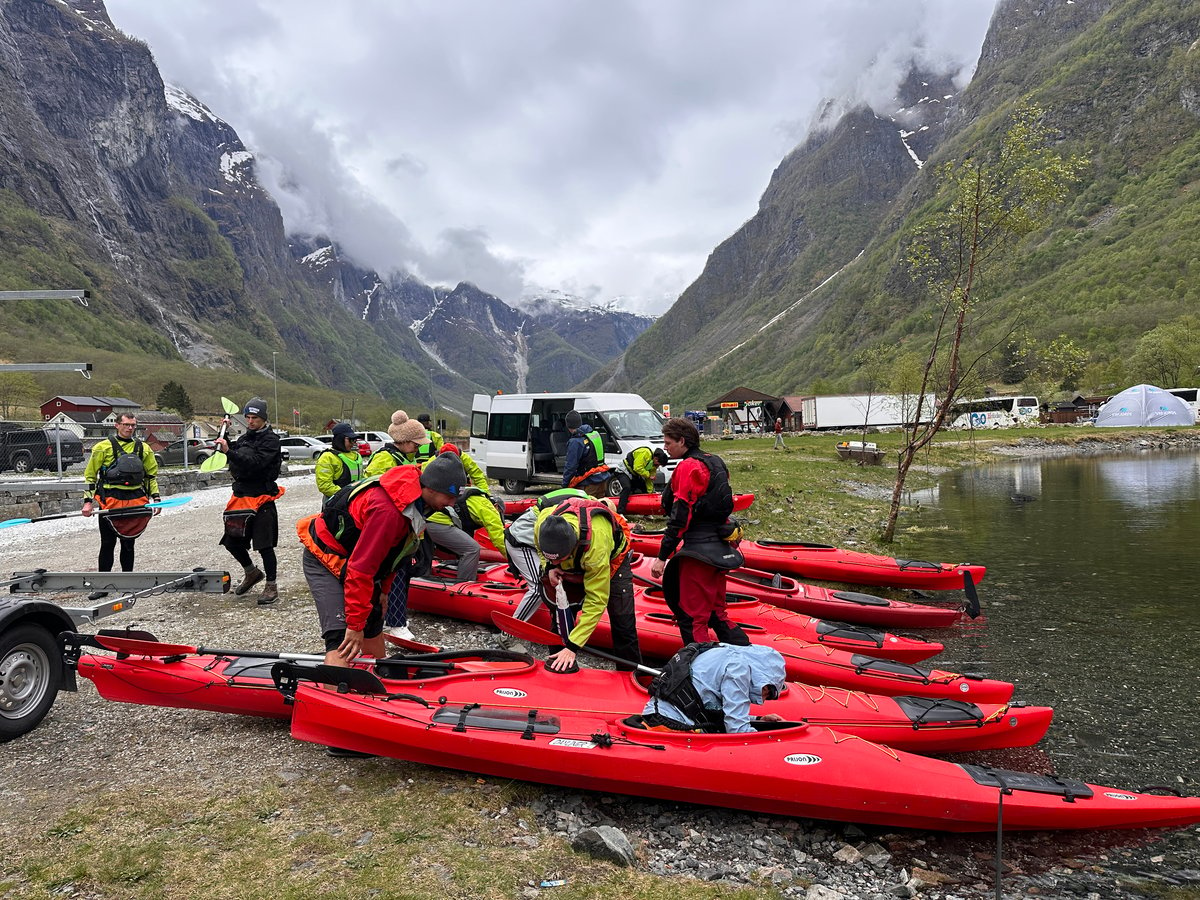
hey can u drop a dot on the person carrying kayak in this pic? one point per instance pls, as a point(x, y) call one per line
point(641, 467)
point(709, 687)
point(341, 464)
point(697, 502)
point(586, 548)
point(353, 547)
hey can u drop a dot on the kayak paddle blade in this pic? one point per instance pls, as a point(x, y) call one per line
point(217, 461)
point(415, 646)
point(136, 647)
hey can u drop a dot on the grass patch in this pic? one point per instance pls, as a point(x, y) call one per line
point(376, 828)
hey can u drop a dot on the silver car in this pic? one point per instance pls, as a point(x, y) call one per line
point(302, 447)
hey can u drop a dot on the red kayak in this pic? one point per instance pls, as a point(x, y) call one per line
point(758, 618)
point(231, 684)
point(788, 593)
point(844, 606)
point(639, 504)
point(783, 769)
point(806, 661)
point(826, 563)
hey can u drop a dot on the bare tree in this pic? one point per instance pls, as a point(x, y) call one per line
point(986, 204)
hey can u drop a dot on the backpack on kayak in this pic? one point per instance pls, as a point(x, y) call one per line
point(674, 685)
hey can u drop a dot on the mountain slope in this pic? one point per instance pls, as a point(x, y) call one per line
point(111, 181)
point(1120, 81)
point(823, 205)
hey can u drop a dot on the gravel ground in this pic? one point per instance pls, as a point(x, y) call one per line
point(87, 744)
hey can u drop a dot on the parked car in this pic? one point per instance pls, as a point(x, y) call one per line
point(375, 439)
point(197, 452)
point(300, 446)
point(26, 449)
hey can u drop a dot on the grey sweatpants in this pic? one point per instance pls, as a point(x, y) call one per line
point(460, 544)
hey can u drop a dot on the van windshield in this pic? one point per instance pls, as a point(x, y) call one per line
point(634, 424)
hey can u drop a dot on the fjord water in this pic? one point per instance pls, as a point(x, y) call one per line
point(1090, 606)
point(1090, 599)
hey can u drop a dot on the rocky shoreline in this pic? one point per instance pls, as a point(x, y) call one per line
point(108, 746)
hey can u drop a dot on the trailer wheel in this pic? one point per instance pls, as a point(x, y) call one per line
point(616, 484)
point(513, 486)
point(31, 672)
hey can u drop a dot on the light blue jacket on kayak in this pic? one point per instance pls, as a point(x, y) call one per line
point(729, 678)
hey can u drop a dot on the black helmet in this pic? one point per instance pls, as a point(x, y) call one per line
point(556, 537)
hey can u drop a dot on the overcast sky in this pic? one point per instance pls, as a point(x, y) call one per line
point(599, 147)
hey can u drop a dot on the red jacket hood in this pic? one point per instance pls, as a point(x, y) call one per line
point(403, 484)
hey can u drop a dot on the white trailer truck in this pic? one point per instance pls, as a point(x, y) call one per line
point(863, 410)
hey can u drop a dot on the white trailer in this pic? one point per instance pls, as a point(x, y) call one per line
point(863, 410)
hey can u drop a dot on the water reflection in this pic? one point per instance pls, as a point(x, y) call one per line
point(1090, 599)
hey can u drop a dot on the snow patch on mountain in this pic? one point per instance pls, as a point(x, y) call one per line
point(236, 166)
point(183, 102)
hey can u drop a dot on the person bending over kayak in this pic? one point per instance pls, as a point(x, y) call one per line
point(641, 467)
point(710, 687)
point(523, 557)
point(453, 529)
point(586, 548)
point(353, 547)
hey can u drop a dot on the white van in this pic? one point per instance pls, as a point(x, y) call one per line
point(521, 439)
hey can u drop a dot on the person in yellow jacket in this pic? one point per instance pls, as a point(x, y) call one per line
point(121, 474)
point(478, 478)
point(592, 567)
point(341, 465)
point(641, 467)
point(454, 528)
point(436, 441)
point(407, 436)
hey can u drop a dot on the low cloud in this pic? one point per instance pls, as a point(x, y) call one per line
point(603, 149)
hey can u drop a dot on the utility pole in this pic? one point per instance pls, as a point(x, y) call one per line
point(275, 379)
point(432, 401)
